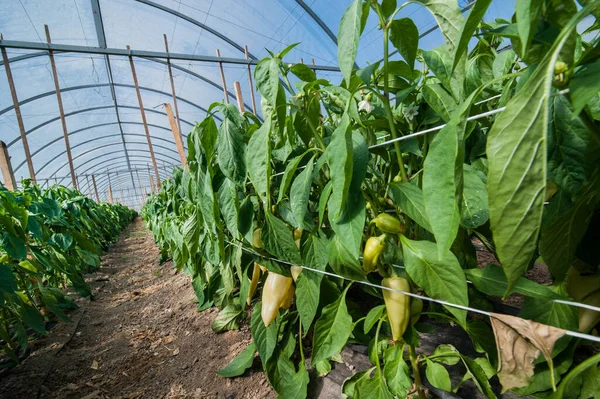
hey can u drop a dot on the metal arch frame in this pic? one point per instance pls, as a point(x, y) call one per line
point(168, 159)
point(49, 121)
point(98, 138)
point(102, 180)
point(94, 149)
point(138, 163)
point(83, 87)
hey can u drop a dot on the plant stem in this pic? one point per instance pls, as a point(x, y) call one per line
point(415, 368)
point(376, 344)
point(386, 104)
point(581, 367)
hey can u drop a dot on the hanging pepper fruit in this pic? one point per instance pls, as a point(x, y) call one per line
point(416, 307)
point(373, 248)
point(389, 224)
point(397, 305)
point(585, 289)
point(274, 291)
point(253, 282)
point(295, 270)
point(287, 299)
point(256, 240)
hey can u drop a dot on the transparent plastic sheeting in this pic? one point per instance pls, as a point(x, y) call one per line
point(100, 140)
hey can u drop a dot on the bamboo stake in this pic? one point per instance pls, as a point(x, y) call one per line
point(176, 136)
point(8, 175)
point(141, 103)
point(17, 107)
point(223, 78)
point(172, 84)
point(60, 108)
point(238, 96)
point(250, 81)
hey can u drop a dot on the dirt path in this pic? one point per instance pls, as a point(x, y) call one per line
point(140, 338)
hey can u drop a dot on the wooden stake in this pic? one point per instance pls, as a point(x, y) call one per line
point(301, 61)
point(13, 93)
point(250, 81)
point(172, 84)
point(89, 186)
point(110, 193)
point(60, 108)
point(141, 103)
point(177, 137)
point(95, 189)
point(313, 61)
point(8, 175)
point(152, 184)
point(238, 96)
point(223, 78)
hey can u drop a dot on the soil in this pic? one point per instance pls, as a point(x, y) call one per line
point(141, 337)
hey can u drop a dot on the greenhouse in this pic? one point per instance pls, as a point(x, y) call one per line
point(300, 199)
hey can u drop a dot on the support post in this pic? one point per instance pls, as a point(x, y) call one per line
point(172, 84)
point(95, 189)
point(89, 186)
point(13, 93)
point(60, 108)
point(238, 96)
point(250, 82)
point(223, 78)
point(176, 137)
point(110, 193)
point(8, 175)
point(139, 96)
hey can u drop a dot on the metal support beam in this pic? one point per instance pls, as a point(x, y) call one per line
point(140, 53)
point(176, 137)
point(60, 107)
point(143, 113)
point(17, 108)
point(250, 82)
point(7, 172)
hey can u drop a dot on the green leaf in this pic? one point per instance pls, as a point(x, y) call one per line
point(568, 143)
point(396, 371)
point(584, 85)
point(265, 338)
point(516, 149)
point(227, 319)
point(308, 284)
point(446, 354)
point(339, 158)
point(348, 38)
point(342, 260)
point(8, 282)
point(475, 17)
point(287, 382)
point(198, 285)
point(14, 246)
point(228, 205)
point(479, 377)
point(528, 15)
point(240, 363)
point(550, 313)
point(245, 219)
point(439, 100)
point(438, 60)
point(591, 383)
point(332, 329)
point(409, 198)
point(438, 376)
point(232, 151)
point(491, 281)
point(266, 75)
point(560, 240)
point(474, 211)
point(304, 73)
point(373, 317)
point(300, 192)
point(440, 278)
point(288, 175)
point(208, 137)
point(448, 17)
point(206, 201)
point(32, 318)
point(278, 240)
point(372, 388)
point(404, 35)
point(259, 163)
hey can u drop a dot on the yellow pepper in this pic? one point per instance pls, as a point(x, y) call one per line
point(253, 282)
point(397, 305)
point(275, 289)
point(287, 299)
point(295, 270)
point(373, 248)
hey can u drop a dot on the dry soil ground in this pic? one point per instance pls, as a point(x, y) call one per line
point(140, 338)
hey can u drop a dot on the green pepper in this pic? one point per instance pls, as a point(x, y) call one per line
point(373, 248)
point(389, 224)
point(256, 240)
point(397, 305)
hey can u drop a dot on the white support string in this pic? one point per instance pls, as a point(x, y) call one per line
point(368, 283)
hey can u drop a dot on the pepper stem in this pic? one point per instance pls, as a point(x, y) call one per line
point(415, 367)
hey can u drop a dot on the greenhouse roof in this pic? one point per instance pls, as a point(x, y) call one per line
point(89, 40)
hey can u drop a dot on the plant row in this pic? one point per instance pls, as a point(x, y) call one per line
point(49, 239)
point(511, 164)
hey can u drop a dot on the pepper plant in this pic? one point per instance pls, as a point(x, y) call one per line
point(349, 195)
point(49, 239)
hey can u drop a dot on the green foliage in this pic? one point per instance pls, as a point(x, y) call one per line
point(311, 178)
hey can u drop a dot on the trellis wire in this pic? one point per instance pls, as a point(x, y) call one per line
point(454, 305)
